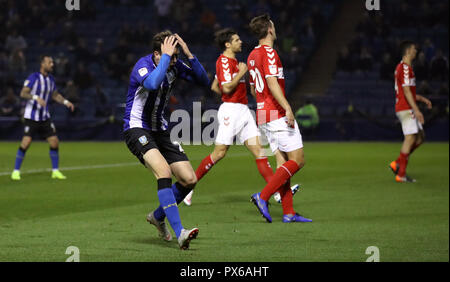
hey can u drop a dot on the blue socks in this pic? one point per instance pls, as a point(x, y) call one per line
point(169, 205)
point(179, 192)
point(54, 156)
point(19, 158)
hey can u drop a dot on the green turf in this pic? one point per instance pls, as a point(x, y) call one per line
point(347, 190)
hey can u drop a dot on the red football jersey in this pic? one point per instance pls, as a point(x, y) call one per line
point(263, 62)
point(226, 70)
point(404, 76)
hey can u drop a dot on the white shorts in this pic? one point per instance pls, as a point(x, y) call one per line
point(410, 124)
point(282, 137)
point(235, 119)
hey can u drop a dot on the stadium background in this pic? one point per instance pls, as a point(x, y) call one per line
point(336, 54)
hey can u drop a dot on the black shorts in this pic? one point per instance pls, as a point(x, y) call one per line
point(140, 141)
point(44, 128)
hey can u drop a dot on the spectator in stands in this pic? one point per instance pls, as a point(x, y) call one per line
point(82, 77)
point(71, 92)
point(82, 53)
point(421, 67)
point(10, 104)
point(345, 62)
point(68, 36)
point(17, 62)
point(387, 68)
point(62, 66)
point(15, 41)
point(163, 10)
point(429, 49)
point(102, 104)
point(365, 62)
point(443, 90)
point(99, 51)
point(425, 89)
point(439, 66)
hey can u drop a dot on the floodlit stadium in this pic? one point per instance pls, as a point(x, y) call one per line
point(111, 112)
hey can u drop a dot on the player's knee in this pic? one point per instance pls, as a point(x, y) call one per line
point(301, 163)
point(190, 181)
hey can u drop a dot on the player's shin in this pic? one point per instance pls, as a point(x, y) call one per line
point(169, 204)
point(287, 198)
point(206, 164)
point(282, 174)
point(19, 158)
point(54, 157)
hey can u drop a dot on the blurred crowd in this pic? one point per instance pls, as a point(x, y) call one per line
point(97, 62)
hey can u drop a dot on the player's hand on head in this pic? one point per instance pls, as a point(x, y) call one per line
point(184, 46)
point(169, 45)
point(242, 67)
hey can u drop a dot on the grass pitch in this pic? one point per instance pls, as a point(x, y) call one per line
point(347, 190)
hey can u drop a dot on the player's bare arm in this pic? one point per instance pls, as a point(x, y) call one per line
point(277, 93)
point(57, 97)
point(184, 47)
point(229, 87)
point(413, 104)
point(424, 100)
point(25, 93)
point(215, 87)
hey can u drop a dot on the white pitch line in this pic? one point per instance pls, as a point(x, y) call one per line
point(103, 166)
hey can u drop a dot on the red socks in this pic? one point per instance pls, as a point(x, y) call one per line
point(287, 201)
point(403, 163)
point(204, 167)
point(282, 174)
point(264, 168)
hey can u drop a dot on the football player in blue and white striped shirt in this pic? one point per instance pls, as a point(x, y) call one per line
point(37, 89)
point(145, 129)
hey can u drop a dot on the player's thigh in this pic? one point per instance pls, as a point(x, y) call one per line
point(298, 156)
point(280, 157)
point(184, 173)
point(254, 146)
point(157, 164)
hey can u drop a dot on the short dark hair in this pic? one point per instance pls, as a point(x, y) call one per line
point(260, 25)
point(43, 56)
point(405, 45)
point(223, 36)
point(158, 39)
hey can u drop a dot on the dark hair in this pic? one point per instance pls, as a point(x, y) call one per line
point(158, 39)
point(405, 45)
point(42, 57)
point(260, 25)
point(224, 36)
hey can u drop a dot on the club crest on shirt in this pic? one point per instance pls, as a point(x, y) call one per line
point(142, 71)
point(273, 69)
point(143, 140)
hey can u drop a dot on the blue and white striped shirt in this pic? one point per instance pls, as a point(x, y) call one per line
point(145, 108)
point(42, 86)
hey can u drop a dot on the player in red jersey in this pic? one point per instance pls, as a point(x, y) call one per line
point(407, 111)
point(275, 118)
point(235, 118)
